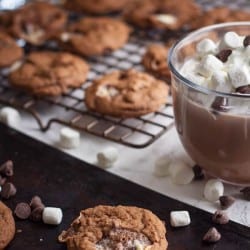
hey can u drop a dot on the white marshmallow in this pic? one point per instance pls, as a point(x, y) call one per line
point(0, 189)
point(230, 40)
point(189, 66)
point(206, 46)
point(208, 65)
point(166, 19)
point(162, 165)
point(10, 116)
point(69, 138)
point(107, 157)
point(213, 189)
point(239, 75)
point(220, 81)
point(181, 173)
point(179, 218)
point(195, 78)
point(52, 215)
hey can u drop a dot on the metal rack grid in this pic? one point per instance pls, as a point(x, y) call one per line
point(70, 109)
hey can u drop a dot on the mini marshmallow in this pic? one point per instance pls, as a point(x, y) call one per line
point(69, 138)
point(181, 173)
point(213, 189)
point(220, 81)
point(208, 65)
point(206, 46)
point(179, 218)
point(162, 165)
point(107, 157)
point(10, 116)
point(166, 19)
point(195, 78)
point(239, 75)
point(230, 40)
point(52, 215)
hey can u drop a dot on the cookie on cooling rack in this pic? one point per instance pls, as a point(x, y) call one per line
point(219, 15)
point(37, 22)
point(96, 6)
point(49, 73)
point(126, 94)
point(7, 226)
point(95, 36)
point(155, 60)
point(161, 14)
point(10, 52)
point(120, 227)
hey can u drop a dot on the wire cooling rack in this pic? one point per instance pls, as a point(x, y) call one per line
point(71, 111)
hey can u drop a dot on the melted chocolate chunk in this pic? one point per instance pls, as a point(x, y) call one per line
point(212, 235)
point(22, 211)
point(220, 104)
point(198, 173)
point(224, 54)
point(226, 201)
point(220, 217)
point(243, 89)
point(246, 41)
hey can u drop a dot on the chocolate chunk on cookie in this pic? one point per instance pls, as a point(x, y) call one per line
point(95, 36)
point(10, 52)
point(96, 6)
point(7, 226)
point(126, 94)
point(49, 73)
point(121, 227)
point(162, 14)
point(219, 15)
point(37, 22)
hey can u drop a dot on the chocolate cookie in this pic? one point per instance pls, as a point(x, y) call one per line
point(37, 22)
point(96, 6)
point(5, 21)
point(162, 14)
point(107, 227)
point(95, 36)
point(126, 94)
point(7, 226)
point(155, 60)
point(49, 73)
point(9, 51)
point(219, 15)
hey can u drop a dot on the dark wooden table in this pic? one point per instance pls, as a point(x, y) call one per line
point(71, 184)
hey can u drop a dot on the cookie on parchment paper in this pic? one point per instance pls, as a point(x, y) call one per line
point(49, 73)
point(7, 226)
point(126, 94)
point(95, 36)
point(120, 227)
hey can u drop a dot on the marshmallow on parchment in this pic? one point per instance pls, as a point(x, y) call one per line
point(181, 173)
point(213, 189)
point(10, 116)
point(206, 46)
point(52, 215)
point(208, 65)
point(107, 157)
point(162, 166)
point(239, 75)
point(179, 218)
point(69, 138)
point(230, 40)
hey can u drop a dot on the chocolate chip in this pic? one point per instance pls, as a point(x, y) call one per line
point(246, 41)
point(224, 54)
point(8, 190)
point(243, 89)
point(212, 235)
point(6, 169)
point(36, 202)
point(220, 217)
point(2, 180)
point(220, 104)
point(198, 173)
point(246, 193)
point(226, 201)
point(22, 210)
point(36, 214)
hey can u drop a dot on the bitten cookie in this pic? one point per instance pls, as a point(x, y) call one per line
point(162, 14)
point(96, 6)
point(37, 22)
point(7, 226)
point(219, 15)
point(10, 52)
point(126, 94)
point(95, 36)
point(155, 60)
point(49, 73)
point(107, 227)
